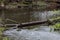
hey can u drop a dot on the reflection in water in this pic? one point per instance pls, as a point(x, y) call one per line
point(26, 16)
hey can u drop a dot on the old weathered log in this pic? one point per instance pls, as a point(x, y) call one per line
point(28, 24)
point(49, 22)
point(31, 23)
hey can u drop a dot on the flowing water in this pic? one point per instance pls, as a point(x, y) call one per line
point(34, 34)
point(38, 33)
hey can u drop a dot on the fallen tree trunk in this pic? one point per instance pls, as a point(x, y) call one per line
point(48, 22)
point(28, 24)
point(32, 23)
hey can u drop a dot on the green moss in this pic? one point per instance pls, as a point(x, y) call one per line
point(1, 30)
point(56, 26)
point(1, 37)
point(57, 18)
point(56, 11)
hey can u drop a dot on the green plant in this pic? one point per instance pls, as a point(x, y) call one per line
point(1, 37)
point(56, 26)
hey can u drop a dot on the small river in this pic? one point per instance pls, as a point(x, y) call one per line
point(37, 33)
point(33, 34)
